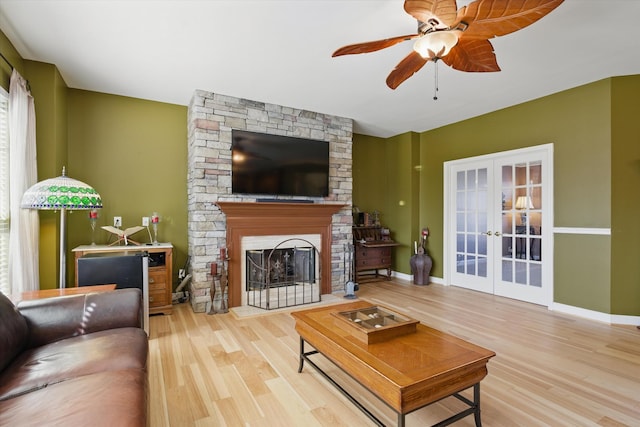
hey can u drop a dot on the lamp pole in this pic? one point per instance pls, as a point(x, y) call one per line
point(62, 275)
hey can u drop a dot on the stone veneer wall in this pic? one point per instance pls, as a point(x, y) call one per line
point(211, 118)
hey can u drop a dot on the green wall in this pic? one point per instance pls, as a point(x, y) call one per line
point(369, 174)
point(625, 195)
point(134, 153)
point(50, 95)
point(385, 180)
point(14, 58)
point(49, 89)
point(596, 163)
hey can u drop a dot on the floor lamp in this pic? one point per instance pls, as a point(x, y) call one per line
point(61, 193)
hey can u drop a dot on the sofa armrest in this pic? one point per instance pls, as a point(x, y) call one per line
point(53, 319)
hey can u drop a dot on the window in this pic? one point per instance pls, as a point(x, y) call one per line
point(4, 191)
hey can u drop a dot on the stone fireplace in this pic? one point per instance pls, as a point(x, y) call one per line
point(212, 208)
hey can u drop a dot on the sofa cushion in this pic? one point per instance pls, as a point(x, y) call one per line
point(110, 350)
point(114, 398)
point(52, 319)
point(13, 332)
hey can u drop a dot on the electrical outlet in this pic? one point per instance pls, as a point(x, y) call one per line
point(145, 221)
point(117, 221)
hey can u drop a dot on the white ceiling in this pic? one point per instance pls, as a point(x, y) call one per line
point(279, 51)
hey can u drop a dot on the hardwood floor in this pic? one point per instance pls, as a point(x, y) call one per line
point(550, 369)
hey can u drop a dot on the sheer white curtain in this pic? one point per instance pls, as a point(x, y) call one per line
point(24, 232)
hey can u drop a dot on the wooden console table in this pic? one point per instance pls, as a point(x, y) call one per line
point(160, 276)
point(406, 372)
point(372, 253)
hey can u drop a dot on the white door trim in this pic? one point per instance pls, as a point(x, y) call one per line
point(547, 152)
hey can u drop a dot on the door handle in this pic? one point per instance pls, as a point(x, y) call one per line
point(488, 233)
point(498, 234)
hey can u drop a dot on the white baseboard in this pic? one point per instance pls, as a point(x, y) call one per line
point(438, 280)
point(612, 319)
point(409, 277)
point(402, 276)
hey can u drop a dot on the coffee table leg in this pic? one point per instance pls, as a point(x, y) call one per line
point(476, 399)
point(400, 420)
point(301, 355)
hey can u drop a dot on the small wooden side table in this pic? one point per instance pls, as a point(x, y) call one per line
point(50, 293)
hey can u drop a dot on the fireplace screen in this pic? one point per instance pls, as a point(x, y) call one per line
point(282, 276)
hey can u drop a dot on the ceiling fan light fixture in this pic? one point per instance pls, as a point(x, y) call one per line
point(436, 44)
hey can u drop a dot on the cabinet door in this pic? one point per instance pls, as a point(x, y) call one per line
point(157, 287)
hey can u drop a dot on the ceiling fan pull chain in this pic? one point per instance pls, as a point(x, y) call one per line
point(435, 90)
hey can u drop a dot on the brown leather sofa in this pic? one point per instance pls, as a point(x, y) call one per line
point(77, 360)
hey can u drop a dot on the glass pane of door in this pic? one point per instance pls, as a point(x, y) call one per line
point(471, 241)
point(521, 214)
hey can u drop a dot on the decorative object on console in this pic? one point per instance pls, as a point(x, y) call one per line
point(376, 218)
point(155, 219)
point(61, 193)
point(93, 218)
point(385, 233)
point(123, 235)
point(459, 37)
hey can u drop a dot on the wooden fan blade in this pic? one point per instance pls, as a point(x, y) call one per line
point(472, 55)
point(410, 65)
point(373, 46)
point(444, 11)
point(492, 18)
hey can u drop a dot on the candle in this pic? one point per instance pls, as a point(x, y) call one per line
point(223, 253)
point(93, 214)
point(214, 269)
point(415, 247)
point(154, 218)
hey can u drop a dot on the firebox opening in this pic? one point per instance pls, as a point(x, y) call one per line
point(282, 276)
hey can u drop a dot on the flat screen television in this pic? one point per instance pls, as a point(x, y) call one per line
point(276, 165)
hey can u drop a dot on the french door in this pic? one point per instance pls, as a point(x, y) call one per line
point(498, 220)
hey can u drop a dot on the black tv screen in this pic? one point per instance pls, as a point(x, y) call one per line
point(276, 165)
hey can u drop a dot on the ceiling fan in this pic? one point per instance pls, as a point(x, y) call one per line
point(460, 38)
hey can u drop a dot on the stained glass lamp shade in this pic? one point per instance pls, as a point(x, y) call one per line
point(61, 193)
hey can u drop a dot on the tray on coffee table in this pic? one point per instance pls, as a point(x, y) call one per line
point(375, 324)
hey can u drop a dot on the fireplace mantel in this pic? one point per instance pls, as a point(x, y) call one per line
point(275, 218)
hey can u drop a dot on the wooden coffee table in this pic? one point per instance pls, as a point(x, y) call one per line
point(406, 372)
